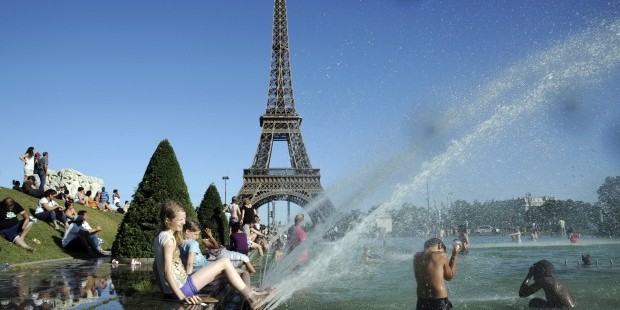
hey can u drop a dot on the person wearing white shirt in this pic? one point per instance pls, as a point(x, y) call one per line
point(80, 236)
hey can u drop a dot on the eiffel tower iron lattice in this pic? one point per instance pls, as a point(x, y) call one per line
point(301, 183)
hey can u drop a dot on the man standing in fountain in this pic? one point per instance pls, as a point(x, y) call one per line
point(296, 235)
point(431, 267)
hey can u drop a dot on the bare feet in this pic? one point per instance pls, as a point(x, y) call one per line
point(258, 299)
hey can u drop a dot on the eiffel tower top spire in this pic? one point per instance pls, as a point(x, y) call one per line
point(280, 101)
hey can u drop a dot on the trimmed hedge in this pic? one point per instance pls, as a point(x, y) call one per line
point(211, 215)
point(162, 181)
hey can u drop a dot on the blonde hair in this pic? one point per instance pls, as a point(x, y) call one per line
point(169, 211)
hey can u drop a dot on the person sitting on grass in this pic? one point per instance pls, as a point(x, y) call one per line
point(103, 200)
point(17, 186)
point(11, 228)
point(90, 202)
point(30, 188)
point(48, 210)
point(169, 270)
point(80, 197)
point(558, 295)
point(192, 257)
point(79, 236)
point(116, 202)
point(70, 212)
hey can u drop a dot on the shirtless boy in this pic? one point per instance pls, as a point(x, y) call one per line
point(558, 296)
point(431, 267)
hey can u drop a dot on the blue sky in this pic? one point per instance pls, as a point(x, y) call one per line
point(385, 88)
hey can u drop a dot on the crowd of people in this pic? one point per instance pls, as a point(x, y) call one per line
point(171, 271)
point(35, 184)
point(183, 270)
point(78, 235)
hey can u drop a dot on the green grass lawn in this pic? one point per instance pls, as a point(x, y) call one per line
point(50, 247)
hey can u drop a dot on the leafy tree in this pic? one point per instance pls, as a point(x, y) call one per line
point(609, 200)
point(410, 221)
point(162, 181)
point(210, 215)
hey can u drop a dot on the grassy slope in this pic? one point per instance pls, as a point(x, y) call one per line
point(50, 239)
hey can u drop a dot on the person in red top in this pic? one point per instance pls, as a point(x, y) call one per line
point(296, 235)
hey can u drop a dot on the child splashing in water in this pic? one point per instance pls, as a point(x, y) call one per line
point(171, 273)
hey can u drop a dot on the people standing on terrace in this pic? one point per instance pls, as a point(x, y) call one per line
point(248, 213)
point(233, 208)
point(28, 159)
point(43, 162)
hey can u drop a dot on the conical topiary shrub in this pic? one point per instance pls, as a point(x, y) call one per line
point(210, 215)
point(162, 181)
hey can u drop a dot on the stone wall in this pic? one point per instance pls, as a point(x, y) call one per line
point(73, 179)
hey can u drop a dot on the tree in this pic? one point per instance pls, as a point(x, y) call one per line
point(210, 215)
point(609, 199)
point(162, 181)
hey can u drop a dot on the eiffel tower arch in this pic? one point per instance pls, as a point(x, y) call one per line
point(299, 184)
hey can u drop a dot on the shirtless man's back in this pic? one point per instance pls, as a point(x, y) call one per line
point(558, 295)
point(431, 267)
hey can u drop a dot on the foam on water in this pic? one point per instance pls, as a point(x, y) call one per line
point(524, 89)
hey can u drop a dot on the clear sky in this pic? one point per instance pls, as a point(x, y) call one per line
point(471, 100)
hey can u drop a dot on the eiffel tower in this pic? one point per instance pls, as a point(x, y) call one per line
point(301, 183)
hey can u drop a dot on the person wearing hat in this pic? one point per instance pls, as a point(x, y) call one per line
point(79, 236)
point(431, 268)
point(558, 296)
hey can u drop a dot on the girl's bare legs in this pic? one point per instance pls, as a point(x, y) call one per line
point(206, 274)
point(245, 276)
